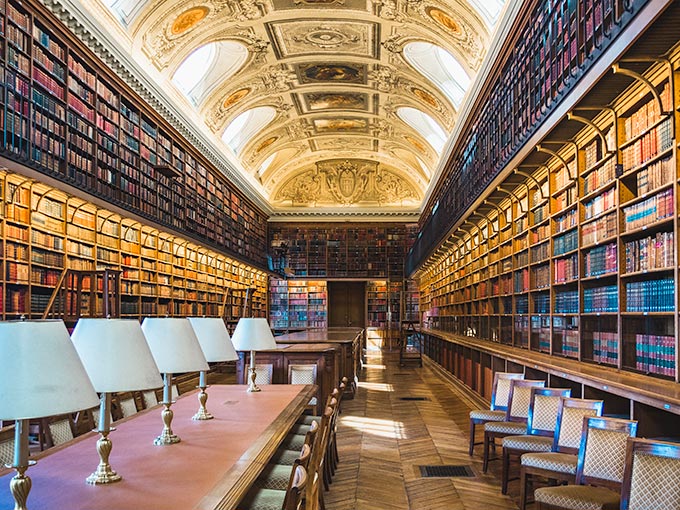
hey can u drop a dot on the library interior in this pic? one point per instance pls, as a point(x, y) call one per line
point(392, 240)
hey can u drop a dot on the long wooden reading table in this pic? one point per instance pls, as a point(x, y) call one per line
point(348, 339)
point(210, 469)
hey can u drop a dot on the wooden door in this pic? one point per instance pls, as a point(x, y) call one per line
point(347, 304)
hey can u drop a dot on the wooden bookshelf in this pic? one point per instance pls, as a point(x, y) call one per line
point(354, 250)
point(45, 231)
point(297, 304)
point(575, 254)
point(66, 115)
point(548, 53)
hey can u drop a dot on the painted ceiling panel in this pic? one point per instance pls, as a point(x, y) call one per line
point(328, 104)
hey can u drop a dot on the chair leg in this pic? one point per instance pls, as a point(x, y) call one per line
point(472, 437)
point(504, 475)
point(485, 464)
point(523, 480)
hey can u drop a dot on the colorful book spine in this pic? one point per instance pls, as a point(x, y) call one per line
point(605, 347)
point(649, 211)
point(600, 260)
point(651, 296)
point(655, 354)
point(601, 299)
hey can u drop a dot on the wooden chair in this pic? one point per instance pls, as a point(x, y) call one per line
point(303, 374)
point(287, 457)
point(289, 499)
point(560, 464)
point(499, 404)
point(516, 416)
point(125, 404)
point(59, 430)
point(6, 445)
point(264, 374)
point(149, 399)
point(313, 493)
point(601, 459)
point(541, 424)
point(277, 476)
point(651, 477)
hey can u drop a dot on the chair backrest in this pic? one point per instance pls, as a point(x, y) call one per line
point(128, 407)
point(302, 374)
point(315, 466)
point(520, 398)
point(6, 445)
point(543, 405)
point(95, 417)
point(310, 436)
point(569, 429)
point(59, 430)
point(150, 398)
point(651, 477)
point(264, 373)
point(603, 451)
point(500, 393)
point(298, 481)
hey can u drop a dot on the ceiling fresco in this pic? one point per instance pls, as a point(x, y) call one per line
point(307, 97)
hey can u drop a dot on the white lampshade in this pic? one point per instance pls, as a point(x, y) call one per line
point(253, 334)
point(214, 338)
point(116, 355)
point(40, 371)
point(174, 345)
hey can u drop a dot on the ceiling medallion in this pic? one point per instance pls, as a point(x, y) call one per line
point(266, 143)
point(325, 37)
point(188, 19)
point(235, 98)
point(445, 21)
point(416, 144)
point(425, 97)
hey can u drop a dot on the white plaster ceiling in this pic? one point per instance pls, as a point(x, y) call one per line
point(332, 104)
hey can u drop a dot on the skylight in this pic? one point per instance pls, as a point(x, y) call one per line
point(440, 67)
point(207, 66)
point(243, 127)
point(425, 125)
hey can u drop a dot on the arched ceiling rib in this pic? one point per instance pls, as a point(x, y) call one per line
point(334, 76)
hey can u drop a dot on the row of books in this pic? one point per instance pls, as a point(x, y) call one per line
point(541, 276)
point(600, 260)
point(566, 302)
point(565, 243)
point(566, 221)
point(649, 211)
point(652, 252)
point(605, 347)
point(648, 146)
point(566, 269)
point(655, 175)
point(601, 299)
point(599, 230)
point(647, 115)
point(600, 203)
point(655, 354)
point(651, 296)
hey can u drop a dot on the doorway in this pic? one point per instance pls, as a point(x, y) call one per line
point(346, 304)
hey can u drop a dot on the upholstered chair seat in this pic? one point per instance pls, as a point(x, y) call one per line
point(578, 497)
point(552, 461)
point(531, 443)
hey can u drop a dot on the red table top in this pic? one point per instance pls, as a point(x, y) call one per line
point(212, 467)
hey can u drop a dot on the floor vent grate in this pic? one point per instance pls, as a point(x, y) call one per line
point(419, 399)
point(445, 471)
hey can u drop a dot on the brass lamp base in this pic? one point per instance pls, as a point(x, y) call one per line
point(20, 486)
point(252, 387)
point(104, 473)
point(202, 413)
point(167, 436)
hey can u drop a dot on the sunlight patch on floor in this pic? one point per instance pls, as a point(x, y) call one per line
point(376, 386)
point(382, 428)
point(375, 367)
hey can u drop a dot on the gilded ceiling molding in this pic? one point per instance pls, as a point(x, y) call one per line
point(389, 10)
point(168, 38)
point(348, 182)
point(466, 35)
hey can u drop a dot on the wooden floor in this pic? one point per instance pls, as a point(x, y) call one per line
point(383, 439)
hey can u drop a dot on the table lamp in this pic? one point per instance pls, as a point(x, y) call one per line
point(214, 338)
point(175, 349)
point(42, 375)
point(117, 358)
point(253, 334)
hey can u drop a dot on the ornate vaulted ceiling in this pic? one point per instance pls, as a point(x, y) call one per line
point(325, 104)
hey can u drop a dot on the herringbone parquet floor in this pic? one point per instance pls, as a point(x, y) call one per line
point(382, 440)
